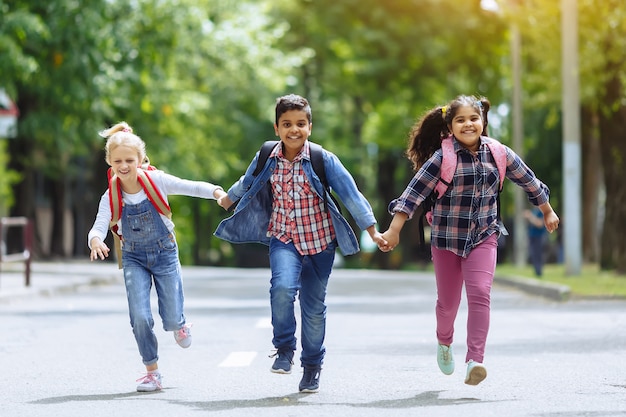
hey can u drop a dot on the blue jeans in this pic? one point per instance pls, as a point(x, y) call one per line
point(150, 253)
point(293, 273)
point(537, 248)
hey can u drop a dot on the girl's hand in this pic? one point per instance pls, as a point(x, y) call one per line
point(551, 221)
point(392, 238)
point(99, 249)
point(377, 237)
point(225, 202)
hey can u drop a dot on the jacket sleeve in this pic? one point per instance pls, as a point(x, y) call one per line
point(343, 184)
point(243, 184)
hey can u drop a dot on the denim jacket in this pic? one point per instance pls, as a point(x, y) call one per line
point(250, 221)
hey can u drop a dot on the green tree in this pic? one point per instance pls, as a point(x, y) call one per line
point(602, 40)
point(375, 67)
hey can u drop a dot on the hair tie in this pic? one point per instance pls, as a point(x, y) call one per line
point(443, 112)
point(126, 129)
point(479, 103)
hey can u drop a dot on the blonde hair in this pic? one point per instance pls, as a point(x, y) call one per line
point(121, 134)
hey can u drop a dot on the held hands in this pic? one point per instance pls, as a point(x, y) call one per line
point(224, 201)
point(391, 239)
point(99, 249)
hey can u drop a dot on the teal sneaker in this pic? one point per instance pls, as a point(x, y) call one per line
point(476, 372)
point(445, 360)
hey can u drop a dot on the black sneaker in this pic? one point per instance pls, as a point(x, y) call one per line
point(310, 381)
point(282, 363)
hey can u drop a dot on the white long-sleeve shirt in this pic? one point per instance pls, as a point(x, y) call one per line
point(166, 184)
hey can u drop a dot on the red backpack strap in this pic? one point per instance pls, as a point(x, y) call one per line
point(499, 154)
point(448, 166)
point(115, 196)
point(153, 193)
point(115, 202)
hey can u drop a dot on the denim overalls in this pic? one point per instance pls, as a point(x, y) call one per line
point(149, 250)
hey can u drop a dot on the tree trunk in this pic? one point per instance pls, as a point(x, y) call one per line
point(58, 201)
point(592, 184)
point(613, 139)
point(19, 149)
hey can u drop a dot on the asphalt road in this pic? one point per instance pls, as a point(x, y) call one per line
point(72, 353)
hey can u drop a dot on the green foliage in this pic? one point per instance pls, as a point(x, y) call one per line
point(7, 179)
point(197, 80)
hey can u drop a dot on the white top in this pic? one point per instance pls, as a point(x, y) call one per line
point(166, 184)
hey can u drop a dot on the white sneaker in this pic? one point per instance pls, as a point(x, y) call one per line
point(476, 372)
point(150, 382)
point(183, 336)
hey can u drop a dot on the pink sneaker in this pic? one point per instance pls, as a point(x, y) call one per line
point(183, 336)
point(150, 382)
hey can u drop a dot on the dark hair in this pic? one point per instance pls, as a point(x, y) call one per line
point(292, 102)
point(425, 135)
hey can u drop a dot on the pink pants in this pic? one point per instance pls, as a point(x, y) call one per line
point(476, 271)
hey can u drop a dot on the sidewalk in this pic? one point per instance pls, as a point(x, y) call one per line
point(50, 278)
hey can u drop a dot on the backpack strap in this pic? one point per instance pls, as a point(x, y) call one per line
point(153, 193)
point(317, 161)
point(264, 153)
point(448, 166)
point(499, 154)
point(155, 197)
point(116, 203)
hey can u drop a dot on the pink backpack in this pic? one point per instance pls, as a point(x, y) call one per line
point(448, 168)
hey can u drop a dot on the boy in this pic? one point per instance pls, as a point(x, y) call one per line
point(283, 207)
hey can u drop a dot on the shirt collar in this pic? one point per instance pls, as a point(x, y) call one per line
point(305, 152)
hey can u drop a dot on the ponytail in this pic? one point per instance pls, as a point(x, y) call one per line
point(425, 136)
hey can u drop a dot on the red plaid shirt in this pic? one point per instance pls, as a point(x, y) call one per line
point(297, 211)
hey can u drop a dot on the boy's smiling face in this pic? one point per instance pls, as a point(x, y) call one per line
point(293, 129)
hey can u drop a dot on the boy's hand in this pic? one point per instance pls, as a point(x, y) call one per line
point(377, 237)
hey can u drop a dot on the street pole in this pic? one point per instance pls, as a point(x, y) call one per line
point(571, 215)
point(519, 234)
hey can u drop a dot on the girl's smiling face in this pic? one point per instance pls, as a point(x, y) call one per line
point(467, 126)
point(124, 161)
point(293, 129)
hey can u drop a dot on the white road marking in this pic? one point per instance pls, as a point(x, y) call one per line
point(264, 323)
point(238, 359)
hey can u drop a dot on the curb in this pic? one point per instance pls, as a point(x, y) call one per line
point(551, 290)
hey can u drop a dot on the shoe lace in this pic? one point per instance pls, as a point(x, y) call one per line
point(150, 378)
point(183, 332)
point(445, 354)
point(280, 354)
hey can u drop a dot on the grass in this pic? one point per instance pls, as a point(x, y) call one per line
point(592, 282)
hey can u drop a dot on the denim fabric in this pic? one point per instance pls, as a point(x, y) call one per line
point(250, 221)
point(150, 253)
point(306, 276)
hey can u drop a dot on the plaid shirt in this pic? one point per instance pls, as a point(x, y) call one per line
point(297, 211)
point(467, 214)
